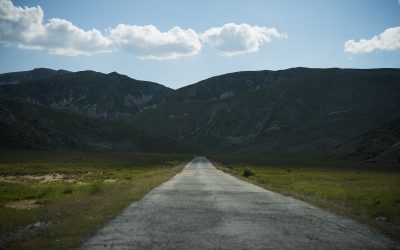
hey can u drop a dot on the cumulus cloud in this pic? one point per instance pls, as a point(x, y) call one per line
point(25, 28)
point(387, 40)
point(233, 39)
point(147, 42)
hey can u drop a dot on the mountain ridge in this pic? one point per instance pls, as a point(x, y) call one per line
point(89, 92)
point(298, 111)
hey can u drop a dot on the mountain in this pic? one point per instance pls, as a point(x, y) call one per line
point(86, 92)
point(31, 75)
point(299, 111)
point(29, 126)
point(378, 145)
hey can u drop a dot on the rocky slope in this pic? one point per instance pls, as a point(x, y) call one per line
point(87, 92)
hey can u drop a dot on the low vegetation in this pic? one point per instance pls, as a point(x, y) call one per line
point(369, 193)
point(247, 172)
point(54, 200)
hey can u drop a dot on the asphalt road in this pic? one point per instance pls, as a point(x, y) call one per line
point(204, 208)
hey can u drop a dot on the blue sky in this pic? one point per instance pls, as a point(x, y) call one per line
point(247, 35)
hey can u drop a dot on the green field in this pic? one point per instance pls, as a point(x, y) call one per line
point(54, 200)
point(369, 193)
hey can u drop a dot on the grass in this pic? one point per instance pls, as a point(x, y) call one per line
point(369, 193)
point(94, 188)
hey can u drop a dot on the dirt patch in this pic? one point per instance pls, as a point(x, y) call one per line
point(78, 179)
point(24, 204)
point(75, 181)
point(45, 178)
point(110, 180)
point(48, 178)
point(8, 179)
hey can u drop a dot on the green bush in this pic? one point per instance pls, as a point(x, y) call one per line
point(247, 173)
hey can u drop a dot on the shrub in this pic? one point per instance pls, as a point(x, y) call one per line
point(229, 167)
point(247, 173)
point(68, 190)
point(169, 163)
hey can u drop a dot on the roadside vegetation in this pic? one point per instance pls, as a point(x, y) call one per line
point(55, 200)
point(366, 192)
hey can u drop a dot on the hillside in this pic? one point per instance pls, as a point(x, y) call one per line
point(299, 111)
point(86, 92)
point(290, 112)
point(379, 145)
point(30, 126)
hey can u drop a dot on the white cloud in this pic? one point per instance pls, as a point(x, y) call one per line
point(147, 42)
point(387, 40)
point(24, 28)
point(233, 39)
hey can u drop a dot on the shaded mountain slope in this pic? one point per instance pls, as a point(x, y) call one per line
point(381, 144)
point(299, 111)
point(27, 126)
point(295, 111)
point(88, 92)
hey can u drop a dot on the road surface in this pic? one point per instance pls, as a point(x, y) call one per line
point(204, 208)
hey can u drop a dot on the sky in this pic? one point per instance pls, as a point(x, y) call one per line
point(177, 42)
